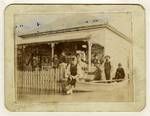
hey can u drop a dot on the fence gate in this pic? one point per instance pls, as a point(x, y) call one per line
point(39, 82)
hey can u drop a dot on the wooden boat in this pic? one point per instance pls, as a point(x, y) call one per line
point(94, 85)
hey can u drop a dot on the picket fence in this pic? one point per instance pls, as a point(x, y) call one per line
point(39, 82)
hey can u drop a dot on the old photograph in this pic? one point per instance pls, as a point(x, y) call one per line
point(73, 56)
point(85, 58)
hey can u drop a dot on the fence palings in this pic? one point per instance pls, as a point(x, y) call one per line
point(39, 82)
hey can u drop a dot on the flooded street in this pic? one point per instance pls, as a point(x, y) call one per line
point(87, 92)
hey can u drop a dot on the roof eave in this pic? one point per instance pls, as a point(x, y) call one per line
point(78, 29)
point(62, 31)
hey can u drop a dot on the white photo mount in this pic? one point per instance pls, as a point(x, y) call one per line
point(117, 28)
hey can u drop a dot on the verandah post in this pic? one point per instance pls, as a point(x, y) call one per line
point(52, 52)
point(89, 55)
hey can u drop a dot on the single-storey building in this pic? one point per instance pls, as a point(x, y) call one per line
point(90, 36)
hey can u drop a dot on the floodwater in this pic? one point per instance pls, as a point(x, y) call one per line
point(89, 92)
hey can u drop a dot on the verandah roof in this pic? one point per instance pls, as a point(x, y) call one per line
point(107, 26)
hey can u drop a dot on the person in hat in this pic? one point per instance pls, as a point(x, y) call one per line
point(80, 62)
point(97, 65)
point(62, 57)
point(120, 74)
point(62, 69)
point(55, 61)
point(107, 68)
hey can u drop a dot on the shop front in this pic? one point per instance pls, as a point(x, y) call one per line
point(39, 55)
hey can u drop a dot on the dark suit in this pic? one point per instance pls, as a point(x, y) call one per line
point(107, 68)
point(120, 74)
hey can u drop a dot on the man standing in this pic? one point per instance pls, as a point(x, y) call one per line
point(81, 63)
point(107, 68)
point(55, 61)
point(62, 57)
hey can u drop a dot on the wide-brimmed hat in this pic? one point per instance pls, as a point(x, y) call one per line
point(107, 56)
point(119, 64)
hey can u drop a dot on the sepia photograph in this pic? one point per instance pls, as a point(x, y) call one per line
point(71, 55)
point(79, 58)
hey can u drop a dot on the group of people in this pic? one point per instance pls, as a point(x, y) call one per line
point(75, 69)
point(119, 74)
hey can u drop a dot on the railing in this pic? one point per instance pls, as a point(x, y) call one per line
point(39, 82)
